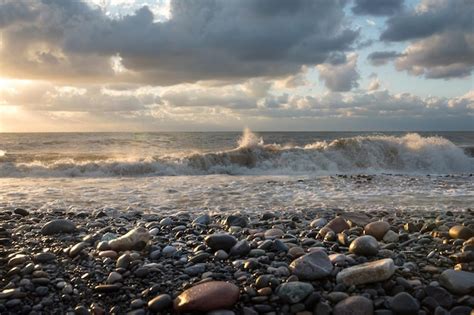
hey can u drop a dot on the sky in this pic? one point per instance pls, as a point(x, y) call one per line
point(217, 65)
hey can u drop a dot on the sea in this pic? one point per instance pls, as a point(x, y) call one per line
point(237, 171)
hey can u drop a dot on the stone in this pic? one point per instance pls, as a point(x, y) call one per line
point(18, 259)
point(195, 270)
point(241, 248)
point(76, 249)
point(458, 282)
point(391, 237)
point(123, 261)
point(273, 233)
point(440, 295)
point(356, 218)
point(207, 296)
point(404, 303)
point(377, 229)
point(204, 219)
point(312, 266)
point(44, 257)
point(364, 246)
point(370, 272)
point(169, 251)
point(114, 277)
point(294, 292)
point(135, 239)
point(107, 288)
point(338, 225)
point(354, 305)
point(220, 241)
point(317, 223)
point(160, 303)
point(461, 232)
point(21, 211)
point(235, 220)
point(58, 226)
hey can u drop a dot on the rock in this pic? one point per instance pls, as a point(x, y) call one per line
point(107, 288)
point(440, 295)
point(318, 223)
point(114, 277)
point(356, 218)
point(160, 303)
point(135, 239)
point(377, 229)
point(273, 234)
point(21, 211)
point(404, 303)
point(220, 241)
point(458, 282)
point(354, 305)
point(195, 270)
point(44, 257)
point(364, 246)
point(18, 259)
point(461, 231)
point(235, 220)
point(123, 261)
point(241, 248)
point(374, 271)
point(169, 251)
point(58, 226)
point(338, 225)
point(221, 255)
point(312, 266)
point(204, 219)
point(76, 249)
point(207, 296)
point(391, 237)
point(294, 292)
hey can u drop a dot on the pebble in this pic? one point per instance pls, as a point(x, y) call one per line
point(377, 229)
point(370, 272)
point(458, 282)
point(207, 296)
point(44, 257)
point(338, 225)
point(461, 232)
point(391, 237)
point(404, 304)
point(273, 233)
point(312, 266)
point(160, 303)
point(365, 246)
point(294, 292)
point(354, 305)
point(58, 226)
point(136, 239)
point(220, 241)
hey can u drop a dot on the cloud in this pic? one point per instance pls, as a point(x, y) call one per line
point(442, 39)
point(378, 8)
point(71, 42)
point(374, 85)
point(378, 58)
point(340, 76)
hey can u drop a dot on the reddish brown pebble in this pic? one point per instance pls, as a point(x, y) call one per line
point(338, 225)
point(207, 296)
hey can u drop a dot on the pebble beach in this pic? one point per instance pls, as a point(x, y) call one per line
point(314, 261)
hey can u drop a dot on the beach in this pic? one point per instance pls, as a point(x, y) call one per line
point(258, 224)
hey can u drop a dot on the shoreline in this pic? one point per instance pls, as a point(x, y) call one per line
point(73, 267)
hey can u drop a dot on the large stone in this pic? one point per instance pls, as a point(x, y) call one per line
point(461, 231)
point(160, 303)
point(354, 305)
point(273, 233)
point(458, 282)
point(58, 226)
point(365, 246)
point(318, 223)
point(294, 292)
point(377, 229)
point(312, 266)
point(207, 296)
point(404, 304)
point(338, 225)
point(356, 218)
point(135, 239)
point(370, 272)
point(235, 220)
point(241, 248)
point(391, 237)
point(220, 241)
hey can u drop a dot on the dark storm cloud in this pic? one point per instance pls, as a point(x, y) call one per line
point(378, 58)
point(377, 7)
point(442, 38)
point(203, 40)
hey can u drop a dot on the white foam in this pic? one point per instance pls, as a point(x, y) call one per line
point(409, 154)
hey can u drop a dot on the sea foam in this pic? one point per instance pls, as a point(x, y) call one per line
point(408, 154)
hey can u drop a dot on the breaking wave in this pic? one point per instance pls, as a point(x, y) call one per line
point(410, 153)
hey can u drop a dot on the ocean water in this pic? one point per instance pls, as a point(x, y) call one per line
point(238, 171)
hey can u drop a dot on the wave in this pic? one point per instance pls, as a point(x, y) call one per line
point(410, 153)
